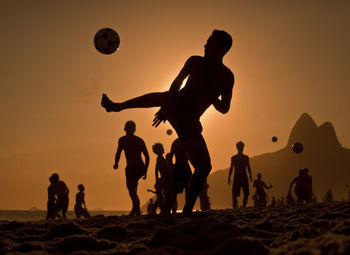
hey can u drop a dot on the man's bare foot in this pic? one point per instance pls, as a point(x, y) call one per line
point(109, 105)
point(106, 103)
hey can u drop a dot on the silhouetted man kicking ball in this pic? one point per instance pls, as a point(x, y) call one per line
point(133, 147)
point(209, 82)
point(240, 180)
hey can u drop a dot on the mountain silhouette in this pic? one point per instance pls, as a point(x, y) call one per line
point(327, 160)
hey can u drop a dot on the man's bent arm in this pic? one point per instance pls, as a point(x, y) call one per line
point(223, 105)
point(267, 187)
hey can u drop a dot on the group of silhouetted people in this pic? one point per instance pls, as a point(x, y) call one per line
point(170, 178)
point(209, 82)
point(58, 200)
point(240, 164)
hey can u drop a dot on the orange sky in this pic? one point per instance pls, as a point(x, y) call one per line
point(288, 57)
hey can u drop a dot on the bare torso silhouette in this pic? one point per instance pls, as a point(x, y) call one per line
point(206, 82)
point(133, 147)
point(79, 199)
point(178, 150)
point(162, 167)
point(61, 190)
point(240, 162)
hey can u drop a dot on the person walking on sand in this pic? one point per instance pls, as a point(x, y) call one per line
point(133, 147)
point(209, 82)
point(80, 205)
point(261, 196)
point(240, 180)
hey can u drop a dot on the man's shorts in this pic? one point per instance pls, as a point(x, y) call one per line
point(133, 175)
point(238, 183)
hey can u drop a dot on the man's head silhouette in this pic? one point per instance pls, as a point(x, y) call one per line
point(158, 148)
point(55, 177)
point(218, 44)
point(130, 127)
point(240, 146)
point(81, 187)
point(259, 176)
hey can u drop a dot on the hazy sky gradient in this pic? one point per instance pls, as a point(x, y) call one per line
point(288, 57)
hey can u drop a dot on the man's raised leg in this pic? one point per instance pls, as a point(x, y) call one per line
point(145, 101)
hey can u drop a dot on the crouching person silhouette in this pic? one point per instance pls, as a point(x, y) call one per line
point(80, 205)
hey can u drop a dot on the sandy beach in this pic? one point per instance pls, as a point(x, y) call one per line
point(305, 229)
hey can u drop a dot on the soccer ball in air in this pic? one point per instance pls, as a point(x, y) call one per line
point(106, 41)
point(169, 132)
point(274, 139)
point(297, 147)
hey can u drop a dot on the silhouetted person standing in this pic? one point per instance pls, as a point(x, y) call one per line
point(133, 146)
point(52, 200)
point(163, 180)
point(172, 193)
point(80, 205)
point(61, 190)
point(240, 180)
point(209, 82)
point(261, 196)
point(182, 170)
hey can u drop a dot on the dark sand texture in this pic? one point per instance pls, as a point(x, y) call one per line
point(310, 229)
